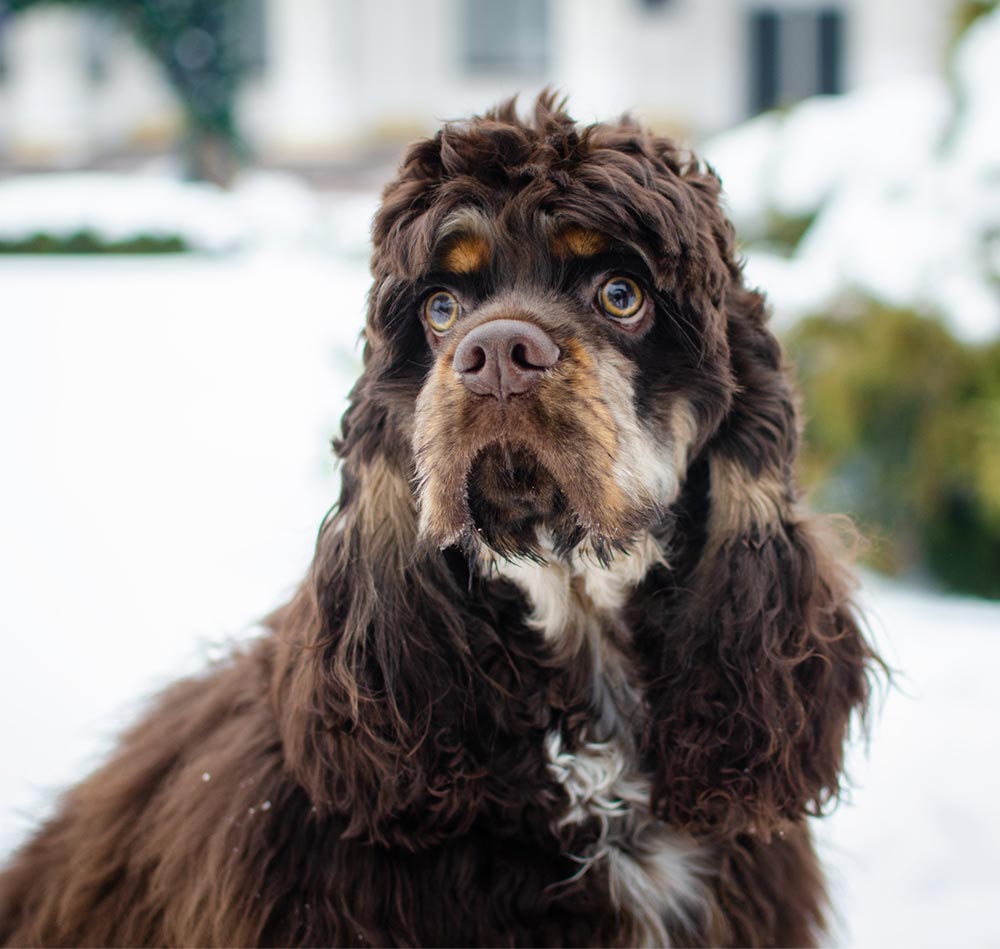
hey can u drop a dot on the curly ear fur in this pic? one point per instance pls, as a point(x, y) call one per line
point(761, 660)
point(371, 699)
point(384, 715)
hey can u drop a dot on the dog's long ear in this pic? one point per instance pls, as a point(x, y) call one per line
point(393, 689)
point(373, 677)
point(761, 661)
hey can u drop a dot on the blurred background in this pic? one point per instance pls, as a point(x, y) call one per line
point(186, 188)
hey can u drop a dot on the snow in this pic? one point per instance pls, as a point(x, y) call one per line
point(743, 158)
point(910, 248)
point(263, 208)
point(791, 164)
point(902, 182)
point(977, 140)
point(165, 427)
point(912, 853)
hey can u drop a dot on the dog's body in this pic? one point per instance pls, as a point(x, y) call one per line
point(570, 666)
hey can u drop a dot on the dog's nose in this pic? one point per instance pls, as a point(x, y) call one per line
point(504, 357)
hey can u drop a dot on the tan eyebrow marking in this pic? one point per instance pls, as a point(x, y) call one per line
point(579, 242)
point(466, 254)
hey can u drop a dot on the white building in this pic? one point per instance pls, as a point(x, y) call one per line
point(335, 75)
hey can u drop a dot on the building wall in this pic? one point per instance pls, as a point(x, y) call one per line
point(680, 64)
point(340, 73)
point(347, 69)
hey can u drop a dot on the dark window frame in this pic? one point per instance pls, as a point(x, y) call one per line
point(493, 36)
point(5, 18)
point(770, 79)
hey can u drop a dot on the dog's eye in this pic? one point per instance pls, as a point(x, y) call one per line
point(620, 297)
point(441, 310)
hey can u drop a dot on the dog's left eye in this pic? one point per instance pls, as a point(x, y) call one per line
point(620, 297)
point(441, 310)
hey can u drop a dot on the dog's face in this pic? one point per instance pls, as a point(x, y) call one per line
point(547, 329)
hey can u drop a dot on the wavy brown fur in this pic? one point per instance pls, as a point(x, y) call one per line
point(374, 770)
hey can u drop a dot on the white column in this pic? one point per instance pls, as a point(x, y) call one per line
point(896, 38)
point(47, 95)
point(308, 100)
point(593, 56)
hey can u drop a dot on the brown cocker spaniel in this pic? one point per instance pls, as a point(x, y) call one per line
point(571, 666)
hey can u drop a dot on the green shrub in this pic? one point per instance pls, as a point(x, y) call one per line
point(903, 432)
point(88, 242)
point(966, 13)
point(782, 232)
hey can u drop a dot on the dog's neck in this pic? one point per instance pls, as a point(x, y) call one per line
point(562, 590)
point(577, 604)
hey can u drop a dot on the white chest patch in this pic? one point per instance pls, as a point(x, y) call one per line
point(655, 874)
point(554, 588)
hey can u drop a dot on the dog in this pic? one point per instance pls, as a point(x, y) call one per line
point(571, 666)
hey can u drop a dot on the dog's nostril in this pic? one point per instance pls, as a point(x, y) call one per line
point(519, 356)
point(475, 359)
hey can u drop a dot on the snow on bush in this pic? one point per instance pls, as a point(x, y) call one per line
point(899, 185)
point(116, 208)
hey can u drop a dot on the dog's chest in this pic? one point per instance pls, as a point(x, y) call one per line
point(654, 874)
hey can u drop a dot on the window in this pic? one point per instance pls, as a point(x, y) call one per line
point(5, 16)
point(794, 53)
point(506, 35)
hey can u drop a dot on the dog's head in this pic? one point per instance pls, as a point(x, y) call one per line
point(546, 328)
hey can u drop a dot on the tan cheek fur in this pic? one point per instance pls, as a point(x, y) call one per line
point(584, 383)
point(445, 443)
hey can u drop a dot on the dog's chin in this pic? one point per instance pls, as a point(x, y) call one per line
point(514, 500)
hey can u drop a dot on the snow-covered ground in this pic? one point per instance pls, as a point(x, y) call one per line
point(164, 427)
point(913, 853)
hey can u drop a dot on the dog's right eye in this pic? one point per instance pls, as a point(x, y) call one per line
point(441, 311)
point(620, 298)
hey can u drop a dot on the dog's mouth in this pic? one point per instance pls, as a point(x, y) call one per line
point(512, 496)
